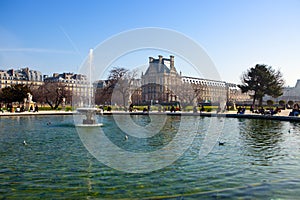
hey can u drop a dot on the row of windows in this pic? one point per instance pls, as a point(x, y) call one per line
point(203, 82)
point(21, 82)
point(67, 81)
point(20, 78)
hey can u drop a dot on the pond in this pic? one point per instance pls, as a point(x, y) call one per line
point(258, 159)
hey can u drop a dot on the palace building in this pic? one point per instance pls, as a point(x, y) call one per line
point(161, 83)
point(160, 80)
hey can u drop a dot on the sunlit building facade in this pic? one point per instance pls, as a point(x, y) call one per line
point(77, 84)
point(31, 78)
point(161, 83)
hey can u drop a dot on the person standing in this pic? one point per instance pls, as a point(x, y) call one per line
point(36, 108)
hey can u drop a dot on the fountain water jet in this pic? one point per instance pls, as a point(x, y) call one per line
point(89, 110)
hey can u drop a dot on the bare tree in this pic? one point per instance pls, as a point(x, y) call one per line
point(190, 93)
point(53, 94)
point(121, 85)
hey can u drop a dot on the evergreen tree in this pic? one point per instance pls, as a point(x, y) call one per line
point(262, 80)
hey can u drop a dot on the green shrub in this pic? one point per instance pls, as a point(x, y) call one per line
point(291, 103)
point(208, 109)
point(68, 108)
point(282, 103)
point(188, 108)
point(45, 108)
point(270, 102)
point(232, 108)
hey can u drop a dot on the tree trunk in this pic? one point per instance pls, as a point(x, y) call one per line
point(260, 101)
point(254, 98)
point(57, 102)
point(49, 103)
point(124, 102)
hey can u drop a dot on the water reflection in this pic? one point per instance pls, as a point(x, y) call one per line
point(152, 143)
point(294, 128)
point(261, 139)
point(55, 164)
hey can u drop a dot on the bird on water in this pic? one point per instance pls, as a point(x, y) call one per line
point(221, 143)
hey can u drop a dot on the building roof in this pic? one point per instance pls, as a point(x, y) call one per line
point(160, 65)
point(157, 68)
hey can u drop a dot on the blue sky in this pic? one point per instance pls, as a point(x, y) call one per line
point(55, 36)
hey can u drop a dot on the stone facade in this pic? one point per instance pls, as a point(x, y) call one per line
point(75, 83)
point(161, 83)
point(25, 76)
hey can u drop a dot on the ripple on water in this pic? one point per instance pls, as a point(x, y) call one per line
point(260, 159)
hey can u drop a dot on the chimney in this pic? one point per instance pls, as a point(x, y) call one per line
point(55, 74)
point(171, 61)
point(160, 57)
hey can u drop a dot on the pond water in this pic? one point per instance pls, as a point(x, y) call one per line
point(260, 159)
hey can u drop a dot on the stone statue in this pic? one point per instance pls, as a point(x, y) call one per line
point(29, 97)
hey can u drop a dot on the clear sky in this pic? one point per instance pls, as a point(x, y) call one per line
point(56, 35)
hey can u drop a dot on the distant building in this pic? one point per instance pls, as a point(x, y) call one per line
point(235, 95)
point(211, 90)
point(135, 94)
point(289, 94)
point(77, 84)
point(100, 84)
point(31, 78)
point(161, 83)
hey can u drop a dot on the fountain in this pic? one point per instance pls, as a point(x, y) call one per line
point(89, 110)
